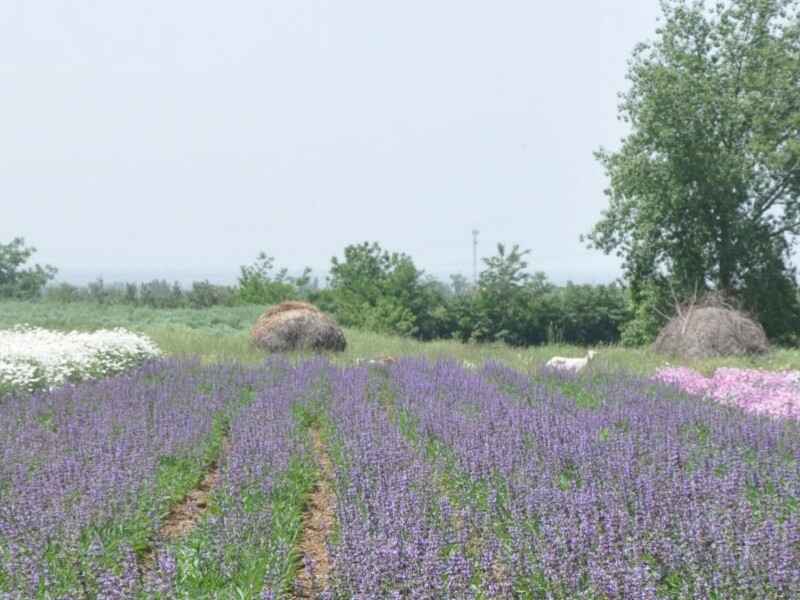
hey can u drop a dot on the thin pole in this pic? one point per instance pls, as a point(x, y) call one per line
point(475, 256)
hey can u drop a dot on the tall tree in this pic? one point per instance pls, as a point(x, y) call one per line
point(16, 281)
point(705, 190)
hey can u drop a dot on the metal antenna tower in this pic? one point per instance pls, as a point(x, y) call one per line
point(475, 256)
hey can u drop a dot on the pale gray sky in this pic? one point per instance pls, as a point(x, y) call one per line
point(177, 139)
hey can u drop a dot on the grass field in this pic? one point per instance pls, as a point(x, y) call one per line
point(221, 334)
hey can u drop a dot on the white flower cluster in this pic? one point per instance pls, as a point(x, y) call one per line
point(34, 358)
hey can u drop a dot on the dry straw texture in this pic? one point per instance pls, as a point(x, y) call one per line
point(293, 326)
point(711, 331)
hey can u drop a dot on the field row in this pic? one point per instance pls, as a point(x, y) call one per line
point(444, 482)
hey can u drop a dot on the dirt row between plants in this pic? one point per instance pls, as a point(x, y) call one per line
point(318, 523)
point(185, 516)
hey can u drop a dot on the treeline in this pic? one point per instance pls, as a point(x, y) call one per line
point(158, 293)
point(373, 289)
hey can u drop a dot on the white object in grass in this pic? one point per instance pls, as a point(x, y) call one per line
point(573, 365)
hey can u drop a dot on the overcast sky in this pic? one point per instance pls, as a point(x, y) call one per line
point(177, 139)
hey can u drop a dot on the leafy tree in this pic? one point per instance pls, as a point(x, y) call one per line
point(204, 295)
point(131, 293)
point(63, 293)
point(460, 285)
point(260, 283)
point(115, 293)
point(158, 293)
point(16, 281)
point(385, 292)
point(769, 288)
point(650, 312)
point(705, 190)
point(509, 300)
point(590, 314)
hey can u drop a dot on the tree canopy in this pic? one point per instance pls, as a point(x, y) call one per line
point(705, 189)
point(260, 283)
point(383, 291)
point(15, 280)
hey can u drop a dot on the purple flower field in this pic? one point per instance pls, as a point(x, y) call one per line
point(449, 483)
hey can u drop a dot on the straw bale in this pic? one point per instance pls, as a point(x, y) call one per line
point(295, 325)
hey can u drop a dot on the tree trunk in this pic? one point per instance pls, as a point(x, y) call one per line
point(727, 263)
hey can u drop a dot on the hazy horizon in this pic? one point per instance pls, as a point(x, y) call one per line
point(186, 276)
point(184, 138)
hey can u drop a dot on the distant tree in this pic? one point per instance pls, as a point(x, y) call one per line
point(590, 314)
point(204, 295)
point(63, 293)
point(384, 291)
point(131, 293)
point(96, 291)
point(705, 190)
point(652, 307)
point(361, 282)
point(177, 294)
point(460, 285)
point(508, 303)
point(15, 280)
point(159, 293)
point(260, 283)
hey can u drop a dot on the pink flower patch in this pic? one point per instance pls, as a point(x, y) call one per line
point(774, 393)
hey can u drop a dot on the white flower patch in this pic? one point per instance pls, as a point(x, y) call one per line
point(34, 358)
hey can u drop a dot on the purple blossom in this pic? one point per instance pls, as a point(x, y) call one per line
point(449, 483)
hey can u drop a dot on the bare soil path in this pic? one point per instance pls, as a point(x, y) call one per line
point(318, 523)
point(184, 516)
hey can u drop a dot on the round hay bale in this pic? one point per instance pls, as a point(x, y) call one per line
point(711, 331)
point(296, 326)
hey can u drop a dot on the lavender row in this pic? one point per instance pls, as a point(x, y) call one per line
point(245, 548)
point(397, 535)
point(88, 470)
point(648, 494)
